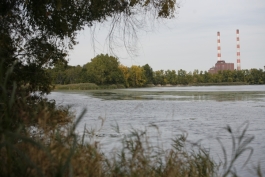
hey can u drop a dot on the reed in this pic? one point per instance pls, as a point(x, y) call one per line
point(80, 86)
point(87, 86)
point(219, 83)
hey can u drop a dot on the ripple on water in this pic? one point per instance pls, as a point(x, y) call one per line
point(202, 120)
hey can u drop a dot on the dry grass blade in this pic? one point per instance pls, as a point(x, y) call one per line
point(240, 145)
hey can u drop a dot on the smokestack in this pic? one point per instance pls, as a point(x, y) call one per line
point(218, 47)
point(238, 50)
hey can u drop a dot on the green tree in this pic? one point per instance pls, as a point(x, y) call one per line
point(189, 77)
point(104, 69)
point(201, 77)
point(126, 74)
point(73, 74)
point(37, 34)
point(159, 77)
point(57, 73)
point(227, 76)
point(256, 76)
point(195, 76)
point(240, 76)
point(84, 78)
point(136, 76)
point(207, 77)
point(182, 77)
point(171, 77)
point(148, 74)
point(263, 76)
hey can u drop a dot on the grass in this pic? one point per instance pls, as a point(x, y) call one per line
point(219, 83)
point(92, 86)
point(60, 153)
point(87, 86)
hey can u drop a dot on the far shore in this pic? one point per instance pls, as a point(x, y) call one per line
point(92, 86)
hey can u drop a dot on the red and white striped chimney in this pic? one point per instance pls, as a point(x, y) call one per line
point(238, 51)
point(218, 47)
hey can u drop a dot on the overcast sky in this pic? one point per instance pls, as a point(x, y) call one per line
point(190, 40)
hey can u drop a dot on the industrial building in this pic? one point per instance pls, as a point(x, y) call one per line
point(221, 64)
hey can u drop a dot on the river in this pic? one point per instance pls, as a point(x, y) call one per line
point(200, 112)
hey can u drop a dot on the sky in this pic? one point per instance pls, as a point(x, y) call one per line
point(189, 41)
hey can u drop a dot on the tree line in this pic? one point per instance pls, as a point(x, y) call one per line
point(106, 70)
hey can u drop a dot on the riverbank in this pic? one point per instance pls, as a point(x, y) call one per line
point(87, 86)
point(92, 86)
point(219, 83)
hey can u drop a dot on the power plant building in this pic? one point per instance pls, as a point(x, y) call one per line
point(221, 64)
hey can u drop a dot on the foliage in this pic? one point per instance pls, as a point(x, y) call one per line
point(159, 77)
point(38, 34)
point(104, 72)
point(149, 74)
point(126, 74)
point(256, 76)
point(226, 77)
point(136, 76)
point(103, 69)
point(27, 110)
point(171, 77)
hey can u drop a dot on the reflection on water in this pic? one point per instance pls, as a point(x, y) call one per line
point(202, 114)
point(238, 88)
point(203, 97)
point(227, 93)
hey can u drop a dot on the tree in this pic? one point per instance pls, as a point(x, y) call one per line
point(148, 74)
point(189, 77)
point(195, 74)
point(73, 74)
point(37, 34)
point(256, 76)
point(159, 77)
point(171, 77)
point(104, 69)
point(227, 76)
point(136, 76)
point(126, 74)
point(207, 77)
point(57, 73)
point(240, 77)
point(182, 77)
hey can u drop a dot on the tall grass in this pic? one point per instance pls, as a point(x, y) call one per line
point(87, 86)
point(219, 83)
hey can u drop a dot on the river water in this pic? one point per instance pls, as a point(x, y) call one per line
point(200, 112)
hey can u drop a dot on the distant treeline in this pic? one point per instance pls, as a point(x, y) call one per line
point(106, 70)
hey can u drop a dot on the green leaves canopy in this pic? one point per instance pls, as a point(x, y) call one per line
point(38, 33)
point(104, 69)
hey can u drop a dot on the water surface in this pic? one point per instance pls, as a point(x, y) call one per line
point(201, 112)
